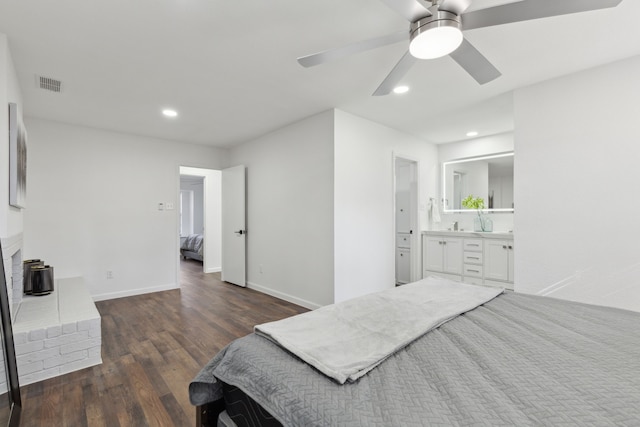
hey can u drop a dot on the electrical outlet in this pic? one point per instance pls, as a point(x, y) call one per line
point(109, 274)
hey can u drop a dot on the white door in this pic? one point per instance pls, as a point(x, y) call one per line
point(496, 259)
point(452, 256)
point(406, 214)
point(403, 264)
point(233, 226)
point(433, 253)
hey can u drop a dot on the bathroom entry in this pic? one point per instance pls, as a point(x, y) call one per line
point(406, 219)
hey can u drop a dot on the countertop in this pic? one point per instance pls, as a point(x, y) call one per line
point(477, 234)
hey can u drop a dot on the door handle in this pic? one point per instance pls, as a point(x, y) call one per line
point(240, 232)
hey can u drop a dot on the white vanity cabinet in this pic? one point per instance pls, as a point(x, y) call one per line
point(498, 260)
point(403, 258)
point(475, 258)
point(403, 265)
point(442, 255)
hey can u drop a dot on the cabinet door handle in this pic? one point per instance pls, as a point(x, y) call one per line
point(474, 271)
point(510, 247)
point(504, 246)
point(473, 257)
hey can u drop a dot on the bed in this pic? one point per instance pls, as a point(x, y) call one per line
point(514, 360)
point(191, 247)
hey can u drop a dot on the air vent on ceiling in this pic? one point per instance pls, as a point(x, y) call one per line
point(47, 83)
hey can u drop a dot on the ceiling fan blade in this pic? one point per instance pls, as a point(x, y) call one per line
point(412, 10)
point(350, 49)
point(474, 63)
point(530, 9)
point(455, 6)
point(395, 75)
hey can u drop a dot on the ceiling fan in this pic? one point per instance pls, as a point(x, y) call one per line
point(436, 27)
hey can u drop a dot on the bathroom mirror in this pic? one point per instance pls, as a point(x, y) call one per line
point(489, 177)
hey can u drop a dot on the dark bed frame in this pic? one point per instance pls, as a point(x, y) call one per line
point(189, 254)
point(207, 415)
point(241, 409)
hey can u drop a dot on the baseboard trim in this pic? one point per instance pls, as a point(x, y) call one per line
point(289, 298)
point(132, 292)
point(214, 270)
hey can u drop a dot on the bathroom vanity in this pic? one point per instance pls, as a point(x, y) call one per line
point(470, 257)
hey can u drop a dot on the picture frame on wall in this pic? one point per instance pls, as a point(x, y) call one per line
point(17, 159)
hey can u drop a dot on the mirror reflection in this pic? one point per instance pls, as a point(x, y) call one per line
point(5, 398)
point(489, 177)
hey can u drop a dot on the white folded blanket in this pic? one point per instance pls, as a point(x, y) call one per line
point(346, 340)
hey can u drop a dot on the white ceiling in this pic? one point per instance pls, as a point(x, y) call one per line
point(229, 67)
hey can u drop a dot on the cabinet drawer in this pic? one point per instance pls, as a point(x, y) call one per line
point(473, 245)
point(473, 258)
point(473, 270)
point(403, 240)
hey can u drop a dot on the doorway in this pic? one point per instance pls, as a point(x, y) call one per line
point(200, 214)
point(406, 220)
point(191, 208)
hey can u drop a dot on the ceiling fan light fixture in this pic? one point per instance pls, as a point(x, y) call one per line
point(435, 36)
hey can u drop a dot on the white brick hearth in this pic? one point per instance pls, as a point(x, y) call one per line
point(57, 333)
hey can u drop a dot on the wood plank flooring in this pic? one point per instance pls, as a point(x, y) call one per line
point(152, 346)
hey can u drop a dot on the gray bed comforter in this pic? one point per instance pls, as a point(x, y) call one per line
point(517, 360)
point(193, 243)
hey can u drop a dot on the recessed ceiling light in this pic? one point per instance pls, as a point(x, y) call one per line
point(472, 133)
point(401, 89)
point(170, 113)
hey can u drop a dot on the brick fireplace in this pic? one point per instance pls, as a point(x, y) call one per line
point(12, 257)
point(53, 334)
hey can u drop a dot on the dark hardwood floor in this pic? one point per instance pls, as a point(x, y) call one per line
point(152, 346)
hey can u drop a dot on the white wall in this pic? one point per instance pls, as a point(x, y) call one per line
point(197, 187)
point(290, 211)
point(93, 205)
point(576, 186)
point(501, 143)
point(364, 223)
point(11, 218)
